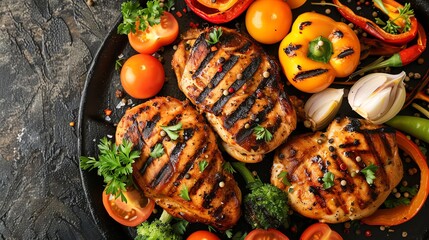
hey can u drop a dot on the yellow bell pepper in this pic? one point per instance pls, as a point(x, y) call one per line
point(317, 50)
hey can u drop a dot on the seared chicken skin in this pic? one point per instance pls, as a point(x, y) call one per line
point(215, 197)
point(344, 150)
point(237, 86)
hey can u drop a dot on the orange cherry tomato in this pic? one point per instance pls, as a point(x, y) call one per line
point(154, 37)
point(320, 231)
point(268, 22)
point(295, 3)
point(142, 76)
point(203, 235)
point(270, 234)
point(136, 210)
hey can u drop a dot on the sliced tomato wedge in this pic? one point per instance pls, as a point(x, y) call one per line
point(136, 210)
point(269, 234)
point(155, 37)
point(320, 231)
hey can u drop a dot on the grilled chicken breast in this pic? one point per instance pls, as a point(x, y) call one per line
point(344, 150)
point(215, 197)
point(237, 86)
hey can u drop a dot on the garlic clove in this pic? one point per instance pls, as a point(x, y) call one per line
point(322, 107)
point(378, 97)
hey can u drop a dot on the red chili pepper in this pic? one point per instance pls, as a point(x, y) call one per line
point(373, 29)
point(216, 16)
point(401, 58)
point(403, 213)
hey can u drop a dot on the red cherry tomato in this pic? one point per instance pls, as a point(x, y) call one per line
point(142, 76)
point(320, 231)
point(154, 37)
point(136, 210)
point(270, 234)
point(203, 235)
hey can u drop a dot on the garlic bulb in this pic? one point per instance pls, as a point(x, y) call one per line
point(322, 107)
point(378, 97)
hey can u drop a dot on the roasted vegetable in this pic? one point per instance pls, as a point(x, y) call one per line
point(218, 11)
point(317, 50)
point(373, 29)
point(265, 206)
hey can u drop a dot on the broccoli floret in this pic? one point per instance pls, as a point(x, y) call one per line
point(158, 229)
point(266, 206)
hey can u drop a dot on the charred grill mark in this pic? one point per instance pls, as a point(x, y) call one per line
point(203, 178)
point(346, 53)
point(248, 72)
point(309, 74)
point(338, 34)
point(291, 48)
point(208, 198)
point(150, 126)
point(166, 171)
point(218, 212)
point(244, 108)
point(245, 47)
point(203, 64)
point(240, 112)
point(304, 24)
point(189, 164)
point(218, 77)
point(244, 133)
point(369, 138)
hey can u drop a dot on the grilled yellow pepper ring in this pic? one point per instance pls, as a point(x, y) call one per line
point(317, 50)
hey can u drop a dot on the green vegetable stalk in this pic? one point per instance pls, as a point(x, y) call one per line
point(266, 206)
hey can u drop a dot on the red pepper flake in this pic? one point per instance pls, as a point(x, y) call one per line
point(244, 86)
point(259, 94)
point(184, 10)
point(213, 48)
point(220, 69)
point(367, 3)
point(358, 3)
point(343, 166)
point(368, 233)
point(231, 90)
point(294, 229)
point(107, 111)
point(179, 14)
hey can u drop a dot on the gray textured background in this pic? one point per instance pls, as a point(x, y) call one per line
point(46, 47)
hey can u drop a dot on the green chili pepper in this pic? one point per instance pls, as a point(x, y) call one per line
point(415, 126)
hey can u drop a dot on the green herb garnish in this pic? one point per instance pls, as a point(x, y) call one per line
point(203, 164)
point(133, 13)
point(172, 131)
point(184, 193)
point(262, 133)
point(114, 164)
point(214, 36)
point(118, 63)
point(328, 180)
point(390, 26)
point(285, 180)
point(180, 226)
point(369, 173)
point(228, 167)
point(157, 151)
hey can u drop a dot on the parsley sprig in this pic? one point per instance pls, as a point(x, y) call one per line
point(284, 178)
point(202, 165)
point(157, 151)
point(133, 13)
point(369, 173)
point(214, 36)
point(262, 133)
point(172, 131)
point(184, 193)
point(328, 180)
point(114, 164)
point(391, 27)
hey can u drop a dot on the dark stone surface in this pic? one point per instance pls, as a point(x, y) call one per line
point(46, 47)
